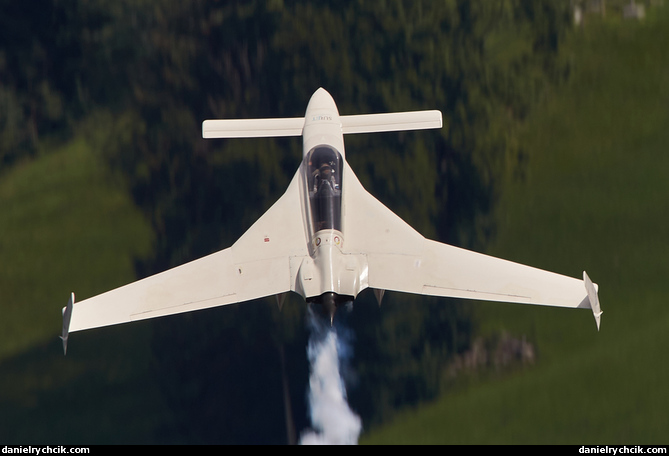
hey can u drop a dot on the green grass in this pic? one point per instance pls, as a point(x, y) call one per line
point(65, 226)
point(595, 198)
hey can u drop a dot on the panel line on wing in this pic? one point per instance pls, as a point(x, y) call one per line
point(166, 308)
point(477, 292)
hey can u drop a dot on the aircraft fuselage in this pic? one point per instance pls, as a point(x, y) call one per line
point(322, 172)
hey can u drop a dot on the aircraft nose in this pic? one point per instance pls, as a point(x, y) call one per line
point(321, 100)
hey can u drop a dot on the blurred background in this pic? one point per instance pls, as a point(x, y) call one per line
point(553, 153)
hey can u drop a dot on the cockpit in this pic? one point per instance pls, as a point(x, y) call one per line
point(324, 173)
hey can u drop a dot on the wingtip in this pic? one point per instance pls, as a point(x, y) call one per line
point(67, 316)
point(593, 297)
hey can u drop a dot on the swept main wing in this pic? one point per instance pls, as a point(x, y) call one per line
point(400, 259)
point(257, 265)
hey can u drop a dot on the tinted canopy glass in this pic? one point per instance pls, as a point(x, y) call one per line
point(324, 185)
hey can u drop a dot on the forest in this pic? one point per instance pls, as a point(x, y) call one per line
point(137, 78)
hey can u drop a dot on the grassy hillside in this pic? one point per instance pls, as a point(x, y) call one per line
point(65, 227)
point(594, 198)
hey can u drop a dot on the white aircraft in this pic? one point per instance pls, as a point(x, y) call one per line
point(327, 239)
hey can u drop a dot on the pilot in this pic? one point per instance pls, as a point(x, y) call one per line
point(326, 173)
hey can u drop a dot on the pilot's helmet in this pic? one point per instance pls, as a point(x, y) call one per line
point(325, 170)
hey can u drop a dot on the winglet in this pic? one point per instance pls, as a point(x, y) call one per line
point(593, 298)
point(67, 316)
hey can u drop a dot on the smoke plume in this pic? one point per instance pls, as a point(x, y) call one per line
point(332, 420)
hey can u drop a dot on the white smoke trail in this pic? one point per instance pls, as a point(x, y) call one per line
point(332, 420)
